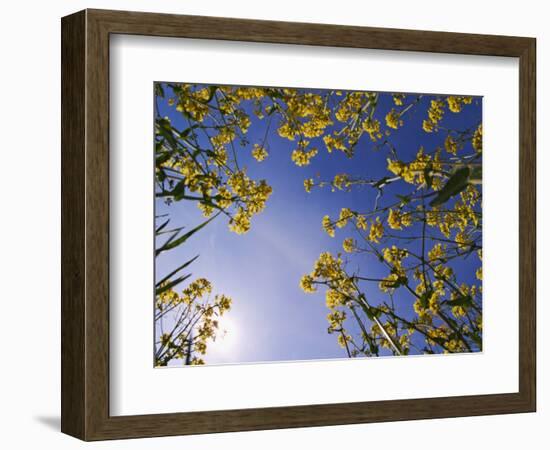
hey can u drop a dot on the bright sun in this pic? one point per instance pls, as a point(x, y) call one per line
point(226, 339)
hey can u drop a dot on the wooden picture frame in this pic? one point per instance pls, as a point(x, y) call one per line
point(85, 224)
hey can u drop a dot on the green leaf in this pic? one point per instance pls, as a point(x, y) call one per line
point(162, 226)
point(173, 242)
point(183, 134)
point(162, 158)
point(171, 274)
point(179, 191)
point(425, 298)
point(477, 339)
point(455, 185)
point(212, 93)
point(164, 128)
point(464, 301)
point(405, 199)
point(175, 231)
point(275, 93)
point(374, 348)
point(159, 90)
point(172, 283)
point(477, 175)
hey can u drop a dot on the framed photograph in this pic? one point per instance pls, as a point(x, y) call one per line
point(273, 225)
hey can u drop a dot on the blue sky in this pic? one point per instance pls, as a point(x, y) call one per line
point(271, 318)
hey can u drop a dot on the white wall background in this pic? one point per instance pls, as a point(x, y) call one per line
point(30, 224)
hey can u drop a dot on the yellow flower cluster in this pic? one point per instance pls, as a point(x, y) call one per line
point(259, 153)
point(393, 119)
point(316, 126)
point(334, 143)
point(350, 106)
point(413, 172)
point(479, 273)
point(196, 321)
point(224, 197)
point(372, 127)
point(343, 339)
point(252, 194)
point(341, 181)
point(376, 231)
point(249, 93)
point(477, 140)
point(451, 145)
point(459, 217)
point(240, 222)
point(345, 215)
point(463, 292)
point(394, 256)
point(307, 284)
point(398, 99)
point(335, 320)
point(348, 245)
point(219, 157)
point(397, 219)
point(328, 226)
point(302, 157)
point(334, 298)
point(299, 106)
point(193, 103)
point(361, 222)
point(308, 184)
point(328, 269)
point(169, 297)
point(437, 253)
point(302, 104)
point(287, 131)
point(430, 296)
point(192, 172)
point(391, 282)
point(462, 239)
point(226, 134)
point(437, 335)
point(435, 114)
point(442, 272)
point(198, 288)
point(206, 208)
point(456, 103)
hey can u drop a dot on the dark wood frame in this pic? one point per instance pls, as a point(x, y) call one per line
point(85, 224)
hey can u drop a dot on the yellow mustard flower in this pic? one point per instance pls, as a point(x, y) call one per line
point(398, 99)
point(372, 127)
point(308, 184)
point(477, 140)
point(361, 222)
point(451, 145)
point(328, 226)
point(348, 245)
point(302, 157)
point(345, 215)
point(259, 153)
point(393, 119)
point(306, 283)
point(455, 103)
point(376, 231)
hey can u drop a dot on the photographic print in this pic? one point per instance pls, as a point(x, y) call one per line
point(300, 224)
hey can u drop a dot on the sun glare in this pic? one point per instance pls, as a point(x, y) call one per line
point(227, 339)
